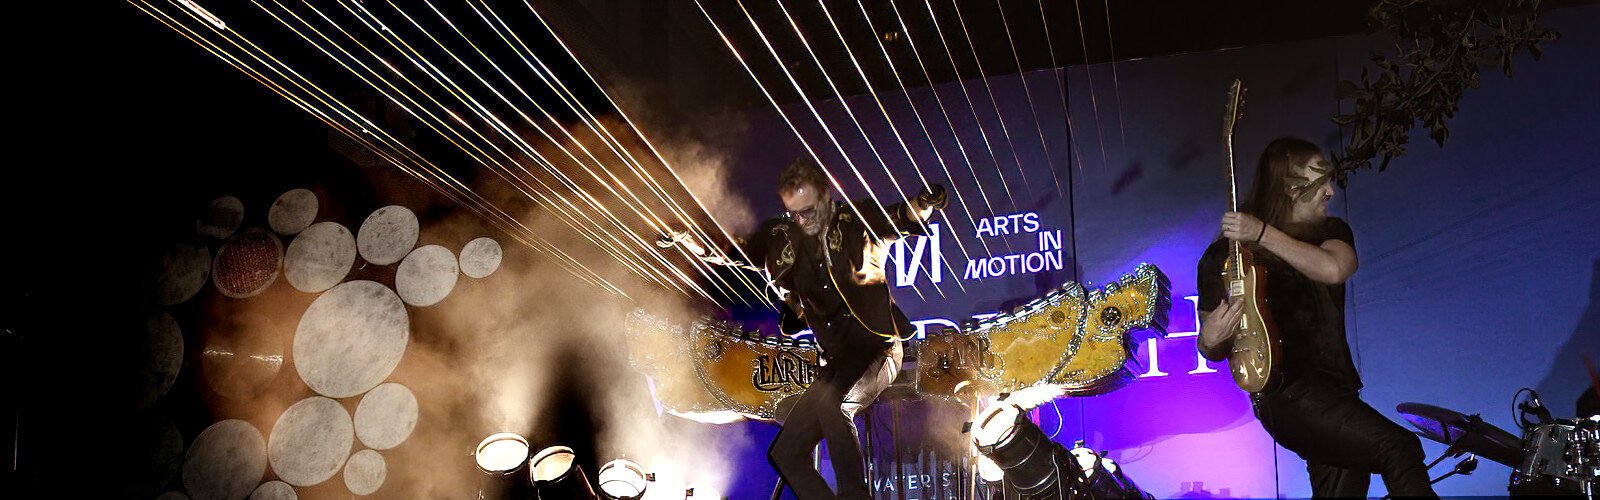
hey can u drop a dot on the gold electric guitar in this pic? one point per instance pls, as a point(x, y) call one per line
point(1256, 347)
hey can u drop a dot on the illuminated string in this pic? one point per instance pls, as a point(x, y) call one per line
point(1032, 109)
point(532, 152)
point(1116, 86)
point(972, 108)
point(799, 136)
point(367, 128)
point(454, 136)
point(867, 83)
point(1001, 117)
point(851, 114)
point(982, 194)
point(1061, 85)
point(716, 250)
point(1088, 72)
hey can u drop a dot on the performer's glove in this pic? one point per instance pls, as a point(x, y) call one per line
point(933, 196)
point(670, 238)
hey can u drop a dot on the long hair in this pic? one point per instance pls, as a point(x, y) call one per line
point(1269, 198)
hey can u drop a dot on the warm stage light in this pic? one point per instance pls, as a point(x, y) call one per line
point(622, 479)
point(703, 493)
point(502, 454)
point(556, 474)
point(988, 471)
point(1029, 459)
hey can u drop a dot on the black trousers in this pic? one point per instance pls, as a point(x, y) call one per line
point(1343, 441)
point(850, 351)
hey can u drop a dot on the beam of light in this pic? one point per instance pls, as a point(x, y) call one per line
point(1088, 72)
point(1005, 131)
point(658, 274)
point(867, 138)
point(899, 139)
point(607, 138)
point(367, 133)
point(1061, 86)
point(1032, 110)
point(527, 149)
point(779, 109)
point(939, 157)
point(435, 124)
point(653, 150)
point(1116, 86)
point(457, 138)
point(972, 109)
point(949, 124)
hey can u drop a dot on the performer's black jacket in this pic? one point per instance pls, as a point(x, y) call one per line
point(843, 280)
point(1309, 315)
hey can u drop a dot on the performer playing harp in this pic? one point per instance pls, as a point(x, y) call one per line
point(828, 261)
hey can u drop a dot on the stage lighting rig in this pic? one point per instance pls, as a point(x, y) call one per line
point(622, 479)
point(1034, 467)
point(555, 473)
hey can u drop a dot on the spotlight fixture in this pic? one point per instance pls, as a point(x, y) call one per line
point(703, 493)
point(555, 473)
point(1101, 476)
point(622, 479)
point(501, 454)
point(1020, 449)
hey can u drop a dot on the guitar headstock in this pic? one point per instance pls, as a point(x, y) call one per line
point(1235, 107)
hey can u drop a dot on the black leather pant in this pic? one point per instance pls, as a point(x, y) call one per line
point(818, 416)
point(1343, 441)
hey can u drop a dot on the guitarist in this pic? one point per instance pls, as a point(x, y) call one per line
point(1307, 256)
point(828, 260)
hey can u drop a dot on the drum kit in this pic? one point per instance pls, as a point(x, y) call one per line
point(1553, 456)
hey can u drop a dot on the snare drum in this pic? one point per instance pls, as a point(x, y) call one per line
point(1562, 457)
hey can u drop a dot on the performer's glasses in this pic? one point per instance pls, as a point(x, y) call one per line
point(803, 215)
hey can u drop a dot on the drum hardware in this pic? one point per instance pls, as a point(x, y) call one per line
point(1463, 433)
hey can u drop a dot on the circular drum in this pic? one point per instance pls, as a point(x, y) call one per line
point(364, 472)
point(480, 257)
point(163, 357)
point(221, 218)
point(319, 257)
point(274, 490)
point(247, 264)
point(226, 461)
point(386, 416)
point(242, 354)
point(310, 441)
point(179, 273)
point(426, 276)
point(387, 235)
point(350, 339)
point(292, 211)
point(555, 472)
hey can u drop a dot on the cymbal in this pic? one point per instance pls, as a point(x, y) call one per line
point(1468, 433)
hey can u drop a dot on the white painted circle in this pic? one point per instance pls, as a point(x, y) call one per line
point(163, 357)
point(247, 264)
point(310, 441)
point(274, 490)
point(480, 257)
point(319, 257)
point(365, 472)
point(350, 339)
point(426, 276)
point(180, 273)
point(226, 461)
point(221, 218)
point(386, 416)
point(388, 235)
point(293, 211)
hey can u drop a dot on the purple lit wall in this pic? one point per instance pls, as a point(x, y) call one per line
point(1480, 261)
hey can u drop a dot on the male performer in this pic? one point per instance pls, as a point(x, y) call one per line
point(1307, 256)
point(829, 260)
